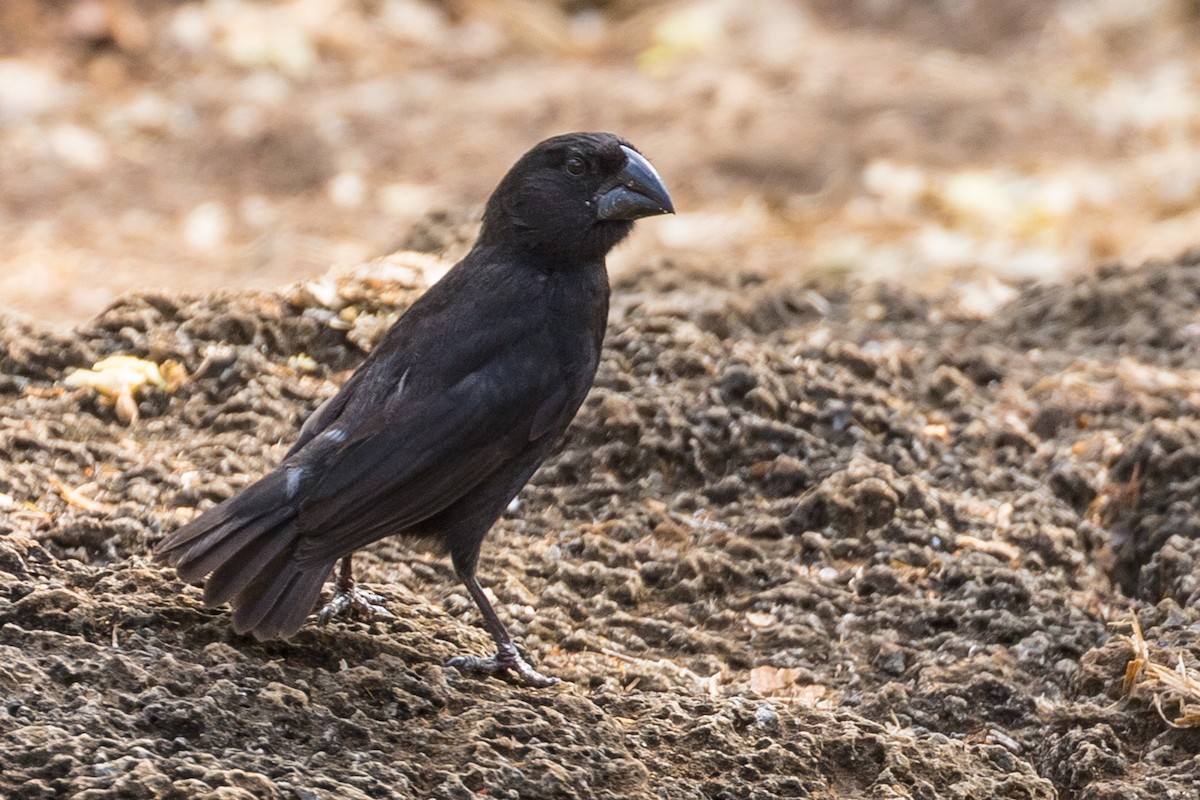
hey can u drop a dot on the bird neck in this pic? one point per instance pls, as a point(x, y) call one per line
point(535, 254)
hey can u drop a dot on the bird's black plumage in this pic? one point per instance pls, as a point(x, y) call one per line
point(452, 412)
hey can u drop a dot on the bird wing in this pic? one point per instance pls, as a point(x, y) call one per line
point(326, 413)
point(424, 449)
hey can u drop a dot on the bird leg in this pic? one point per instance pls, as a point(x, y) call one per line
point(507, 659)
point(349, 599)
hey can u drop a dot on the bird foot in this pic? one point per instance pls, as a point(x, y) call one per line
point(353, 602)
point(507, 660)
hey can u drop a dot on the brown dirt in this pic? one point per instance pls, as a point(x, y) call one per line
point(196, 144)
point(806, 539)
point(810, 536)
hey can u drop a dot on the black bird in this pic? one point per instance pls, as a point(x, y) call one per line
point(451, 413)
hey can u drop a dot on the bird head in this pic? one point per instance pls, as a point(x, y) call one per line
point(572, 198)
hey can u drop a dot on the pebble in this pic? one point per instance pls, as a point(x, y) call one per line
point(79, 147)
point(347, 190)
point(206, 227)
point(28, 91)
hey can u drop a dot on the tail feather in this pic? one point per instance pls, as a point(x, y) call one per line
point(294, 604)
point(258, 599)
point(256, 500)
point(231, 574)
point(248, 544)
point(232, 542)
point(299, 601)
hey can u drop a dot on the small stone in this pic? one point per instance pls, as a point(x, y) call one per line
point(206, 227)
point(79, 148)
point(786, 476)
point(347, 190)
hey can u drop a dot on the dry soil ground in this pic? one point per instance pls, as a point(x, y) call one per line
point(805, 540)
point(810, 537)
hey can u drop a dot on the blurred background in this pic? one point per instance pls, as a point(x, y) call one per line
point(202, 144)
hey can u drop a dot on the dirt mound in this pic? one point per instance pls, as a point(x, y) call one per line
point(805, 540)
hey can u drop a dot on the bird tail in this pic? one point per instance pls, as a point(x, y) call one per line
point(247, 543)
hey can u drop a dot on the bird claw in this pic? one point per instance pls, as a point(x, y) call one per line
point(507, 660)
point(353, 602)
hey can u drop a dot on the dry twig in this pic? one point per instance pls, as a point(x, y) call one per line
point(79, 499)
point(1166, 685)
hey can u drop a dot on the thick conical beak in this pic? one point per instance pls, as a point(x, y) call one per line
point(639, 191)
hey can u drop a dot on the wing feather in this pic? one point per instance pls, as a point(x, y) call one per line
point(423, 452)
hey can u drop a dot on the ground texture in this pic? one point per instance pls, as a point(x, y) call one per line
point(806, 539)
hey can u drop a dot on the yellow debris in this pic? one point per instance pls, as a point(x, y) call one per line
point(119, 378)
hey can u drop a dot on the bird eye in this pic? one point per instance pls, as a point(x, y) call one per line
point(576, 166)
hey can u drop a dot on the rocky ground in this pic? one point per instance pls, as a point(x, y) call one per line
point(813, 535)
point(806, 539)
